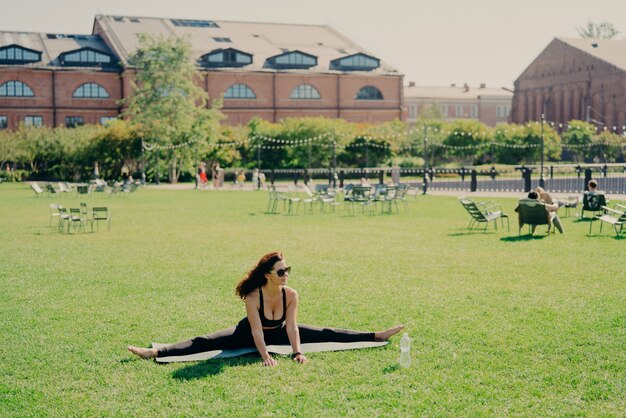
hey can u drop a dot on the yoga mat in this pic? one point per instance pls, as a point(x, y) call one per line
point(276, 349)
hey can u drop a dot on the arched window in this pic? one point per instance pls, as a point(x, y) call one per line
point(15, 88)
point(305, 91)
point(90, 91)
point(369, 93)
point(239, 91)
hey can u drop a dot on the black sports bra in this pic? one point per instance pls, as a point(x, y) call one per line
point(272, 322)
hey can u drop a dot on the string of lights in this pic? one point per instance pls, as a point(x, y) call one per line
point(374, 141)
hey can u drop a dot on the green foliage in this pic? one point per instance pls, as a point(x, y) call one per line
point(509, 142)
point(471, 134)
point(579, 136)
point(315, 153)
point(167, 105)
point(116, 145)
point(430, 112)
point(493, 333)
point(8, 147)
point(603, 30)
point(521, 144)
point(608, 147)
point(70, 154)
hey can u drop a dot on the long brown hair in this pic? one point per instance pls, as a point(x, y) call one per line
point(255, 278)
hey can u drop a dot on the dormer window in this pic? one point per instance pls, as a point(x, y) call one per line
point(190, 23)
point(356, 62)
point(15, 54)
point(85, 57)
point(292, 59)
point(225, 58)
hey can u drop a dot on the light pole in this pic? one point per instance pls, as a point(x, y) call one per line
point(157, 176)
point(424, 180)
point(334, 156)
point(542, 183)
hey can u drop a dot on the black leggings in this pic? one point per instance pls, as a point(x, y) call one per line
point(240, 336)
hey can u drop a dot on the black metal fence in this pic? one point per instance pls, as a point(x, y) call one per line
point(558, 178)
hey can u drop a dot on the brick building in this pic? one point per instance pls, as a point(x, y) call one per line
point(488, 105)
point(582, 79)
point(268, 70)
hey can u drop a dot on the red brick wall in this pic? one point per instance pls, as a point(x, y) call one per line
point(65, 83)
point(273, 91)
point(563, 82)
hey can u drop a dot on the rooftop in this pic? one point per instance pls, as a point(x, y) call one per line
point(51, 46)
point(610, 50)
point(454, 92)
point(261, 40)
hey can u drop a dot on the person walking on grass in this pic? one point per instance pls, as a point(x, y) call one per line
point(272, 318)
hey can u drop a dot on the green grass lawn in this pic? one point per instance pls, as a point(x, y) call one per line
point(501, 325)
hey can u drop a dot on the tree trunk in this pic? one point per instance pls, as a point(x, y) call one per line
point(174, 172)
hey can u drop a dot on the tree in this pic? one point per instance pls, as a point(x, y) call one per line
point(113, 147)
point(577, 139)
point(8, 148)
point(168, 106)
point(608, 147)
point(466, 140)
point(604, 30)
point(432, 111)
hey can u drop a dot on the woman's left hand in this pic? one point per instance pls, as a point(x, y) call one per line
point(301, 359)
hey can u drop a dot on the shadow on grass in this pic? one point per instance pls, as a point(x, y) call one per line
point(520, 238)
point(212, 367)
point(605, 236)
point(465, 232)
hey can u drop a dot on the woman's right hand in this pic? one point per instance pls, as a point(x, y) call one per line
point(269, 361)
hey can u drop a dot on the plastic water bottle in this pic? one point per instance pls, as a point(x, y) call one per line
point(405, 350)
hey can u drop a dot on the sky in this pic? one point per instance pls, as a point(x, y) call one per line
point(433, 43)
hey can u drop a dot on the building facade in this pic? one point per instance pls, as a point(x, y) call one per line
point(488, 105)
point(583, 79)
point(266, 70)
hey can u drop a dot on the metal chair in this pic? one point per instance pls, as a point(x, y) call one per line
point(592, 202)
point(101, 214)
point(615, 217)
point(76, 220)
point(54, 213)
point(534, 213)
point(484, 213)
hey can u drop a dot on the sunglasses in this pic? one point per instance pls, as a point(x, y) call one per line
point(281, 272)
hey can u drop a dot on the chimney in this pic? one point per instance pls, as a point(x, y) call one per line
point(465, 88)
point(411, 83)
point(483, 85)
